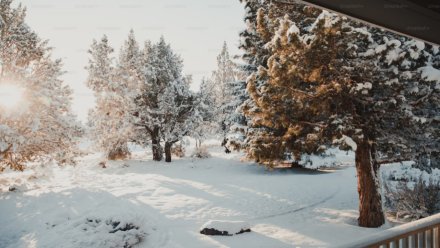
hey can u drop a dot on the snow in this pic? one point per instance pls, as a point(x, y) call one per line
point(330, 19)
point(364, 31)
point(169, 202)
point(381, 48)
point(395, 43)
point(330, 159)
point(430, 73)
point(393, 55)
point(232, 227)
point(419, 44)
point(392, 81)
point(406, 173)
point(364, 87)
point(293, 29)
point(346, 140)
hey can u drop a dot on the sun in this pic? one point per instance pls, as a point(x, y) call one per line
point(10, 95)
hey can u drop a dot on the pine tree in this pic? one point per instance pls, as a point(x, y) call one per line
point(412, 68)
point(177, 105)
point(236, 120)
point(224, 95)
point(427, 103)
point(162, 69)
point(42, 124)
point(258, 32)
point(205, 123)
point(108, 121)
point(330, 82)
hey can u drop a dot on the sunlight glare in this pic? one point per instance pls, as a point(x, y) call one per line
point(10, 95)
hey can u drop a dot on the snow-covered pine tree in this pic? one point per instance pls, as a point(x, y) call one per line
point(236, 120)
point(254, 55)
point(205, 124)
point(108, 121)
point(251, 42)
point(162, 69)
point(411, 66)
point(224, 93)
point(427, 103)
point(178, 109)
point(321, 90)
point(129, 67)
point(40, 124)
point(259, 31)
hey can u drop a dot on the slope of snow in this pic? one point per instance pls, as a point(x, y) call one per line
point(167, 203)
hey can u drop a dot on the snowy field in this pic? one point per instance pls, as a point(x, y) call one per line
point(164, 205)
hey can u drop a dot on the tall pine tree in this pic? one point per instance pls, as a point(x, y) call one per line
point(224, 94)
point(330, 81)
point(110, 128)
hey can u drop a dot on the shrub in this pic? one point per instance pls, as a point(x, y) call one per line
point(201, 152)
point(178, 151)
point(413, 199)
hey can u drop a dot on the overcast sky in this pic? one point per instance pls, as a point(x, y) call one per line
point(196, 30)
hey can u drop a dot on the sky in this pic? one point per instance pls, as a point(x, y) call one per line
point(196, 30)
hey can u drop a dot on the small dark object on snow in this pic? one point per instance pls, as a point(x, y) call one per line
point(97, 221)
point(125, 228)
point(214, 232)
point(117, 227)
point(224, 144)
point(12, 188)
point(115, 223)
point(244, 231)
point(102, 165)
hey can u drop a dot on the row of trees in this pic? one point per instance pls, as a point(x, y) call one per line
point(41, 124)
point(142, 97)
point(317, 80)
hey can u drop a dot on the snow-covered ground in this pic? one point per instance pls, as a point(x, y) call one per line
point(165, 205)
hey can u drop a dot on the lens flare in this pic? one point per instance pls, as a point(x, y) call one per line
point(10, 95)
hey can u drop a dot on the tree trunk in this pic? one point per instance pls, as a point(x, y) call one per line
point(224, 143)
point(168, 152)
point(370, 201)
point(156, 147)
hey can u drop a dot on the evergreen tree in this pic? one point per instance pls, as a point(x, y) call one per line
point(259, 31)
point(329, 81)
point(108, 121)
point(224, 94)
point(162, 71)
point(236, 120)
point(410, 66)
point(177, 105)
point(42, 124)
point(205, 125)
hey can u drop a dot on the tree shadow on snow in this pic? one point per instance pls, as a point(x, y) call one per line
point(75, 218)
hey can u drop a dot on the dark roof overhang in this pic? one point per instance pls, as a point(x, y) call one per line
point(419, 19)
